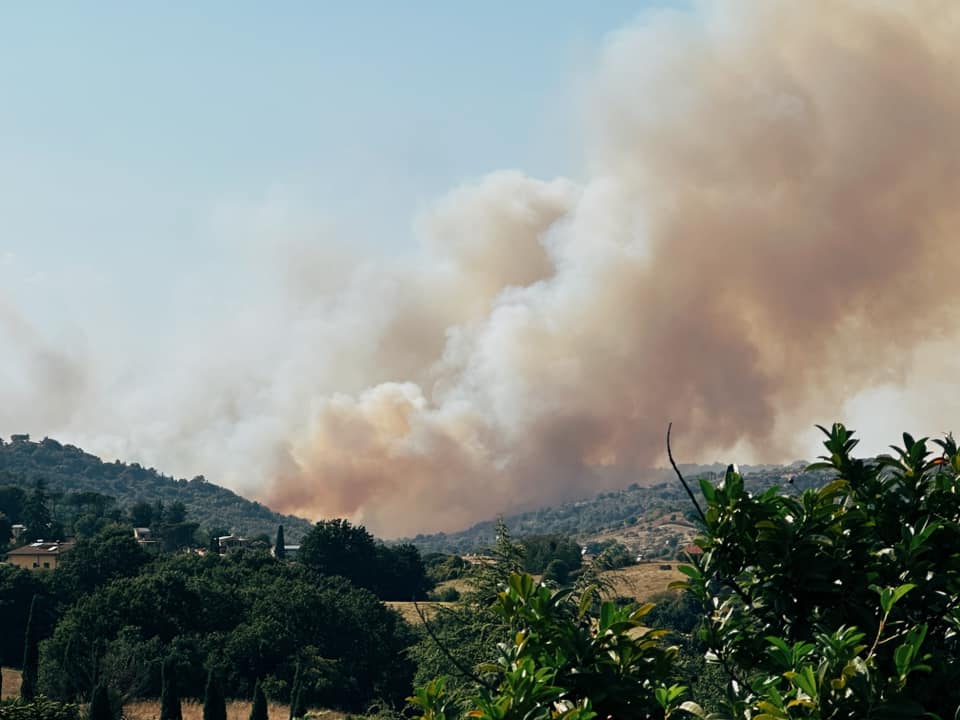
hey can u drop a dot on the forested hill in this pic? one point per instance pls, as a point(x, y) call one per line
point(66, 468)
point(660, 494)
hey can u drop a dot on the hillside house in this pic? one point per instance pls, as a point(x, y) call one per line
point(289, 551)
point(227, 543)
point(145, 539)
point(39, 555)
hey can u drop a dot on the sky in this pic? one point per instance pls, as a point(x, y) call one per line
point(129, 132)
point(416, 264)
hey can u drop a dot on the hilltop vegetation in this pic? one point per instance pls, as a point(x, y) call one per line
point(641, 506)
point(68, 469)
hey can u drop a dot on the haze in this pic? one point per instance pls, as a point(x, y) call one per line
point(419, 266)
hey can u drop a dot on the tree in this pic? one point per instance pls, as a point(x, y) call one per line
point(541, 550)
point(170, 694)
point(401, 574)
point(214, 704)
point(564, 662)
point(17, 590)
point(111, 554)
point(842, 602)
point(335, 547)
point(297, 709)
point(100, 708)
point(258, 711)
point(141, 514)
point(31, 652)
point(279, 547)
point(6, 527)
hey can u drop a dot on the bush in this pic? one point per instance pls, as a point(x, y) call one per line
point(563, 661)
point(841, 602)
point(39, 708)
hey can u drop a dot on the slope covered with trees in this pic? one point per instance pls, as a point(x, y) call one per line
point(616, 509)
point(68, 469)
point(842, 602)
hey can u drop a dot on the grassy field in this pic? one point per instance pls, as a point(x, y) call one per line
point(640, 582)
point(236, 710)
point(192, 709)
point(11, 683)
point(643, 580)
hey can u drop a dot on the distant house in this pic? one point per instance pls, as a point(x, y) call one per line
point(143, 536)
point(226, 543)
point(39, 555)
point(289, 551)
point(17, 530)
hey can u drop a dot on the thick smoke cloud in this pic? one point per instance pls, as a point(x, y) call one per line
point(766, 231)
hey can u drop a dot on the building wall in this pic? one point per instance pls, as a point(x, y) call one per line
point(37, 561)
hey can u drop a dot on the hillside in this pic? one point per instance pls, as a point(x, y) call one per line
point(651, 518)
point(66, 468)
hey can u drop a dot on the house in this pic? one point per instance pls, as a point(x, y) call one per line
point(145, 539)
point(17, 530)
point(289, 551)
point(226, 543)
point(39, 555)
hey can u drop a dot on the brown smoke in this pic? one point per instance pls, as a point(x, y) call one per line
point(768, 229)
point(765, 233)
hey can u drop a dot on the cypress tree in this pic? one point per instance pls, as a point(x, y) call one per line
point(169, 695)
point(100, 708)
point(279, 547)
point(214, 704)
point(259, 709)
point(297, 709)
point(31, 652)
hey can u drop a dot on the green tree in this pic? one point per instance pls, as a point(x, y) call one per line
point(17, 590)
point(541, 550)
point(842, 602)
point(258, 710)
point(214, 703)
point(564, 662)
point(100, 707)
point(335, 547)
point(111, 554)
point(141, 514)
point(170, 694)
point(279, 547)
point(297, 706)
point(31, 657)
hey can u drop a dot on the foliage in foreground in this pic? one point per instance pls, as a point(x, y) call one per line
point(39, 708)
point(566, 661)
point(842, 603)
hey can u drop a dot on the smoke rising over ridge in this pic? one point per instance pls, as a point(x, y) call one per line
point(767, 230)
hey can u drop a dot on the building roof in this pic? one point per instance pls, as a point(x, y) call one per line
point(40, 547)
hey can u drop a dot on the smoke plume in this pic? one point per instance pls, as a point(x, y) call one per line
point(766, 231)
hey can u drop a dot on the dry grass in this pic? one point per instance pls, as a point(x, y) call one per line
point(644, 580)
point(408, 610)
point(192, 709)
point(11, 683)
point(236, 710)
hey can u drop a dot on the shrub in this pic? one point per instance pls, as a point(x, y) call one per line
point(40, 708)
point(842, 602)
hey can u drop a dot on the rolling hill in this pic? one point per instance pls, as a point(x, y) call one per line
point(650, 517)
point(67, 468)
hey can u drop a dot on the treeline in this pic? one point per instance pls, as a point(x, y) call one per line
point(840, 603)
point(66, 469)
point(111, 612)
point(52, 516)
point(616, 509)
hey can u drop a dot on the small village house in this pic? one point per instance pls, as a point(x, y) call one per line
point(39, 555)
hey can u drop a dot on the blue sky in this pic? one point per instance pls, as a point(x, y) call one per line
point(124, 126)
